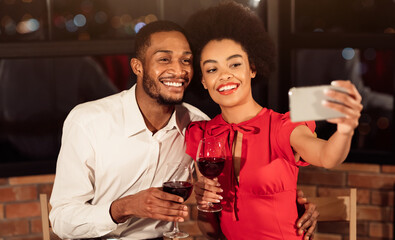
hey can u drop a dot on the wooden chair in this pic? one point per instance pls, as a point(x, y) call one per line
point(340, 208)
point(46, 226)
point(44, 216)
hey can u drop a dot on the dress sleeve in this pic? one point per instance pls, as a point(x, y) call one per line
point(193, 134)
point(283, 137)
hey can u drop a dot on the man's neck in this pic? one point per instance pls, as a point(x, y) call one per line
point(156, 116)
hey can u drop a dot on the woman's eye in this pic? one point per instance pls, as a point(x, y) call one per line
point(211, 70)
point(235, 64)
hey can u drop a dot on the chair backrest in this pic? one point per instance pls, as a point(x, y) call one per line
point(339, 208)
point(44, 216)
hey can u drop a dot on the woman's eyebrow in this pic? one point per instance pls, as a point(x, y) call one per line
point(209, 61)
point(234, 56)
point(227, 59)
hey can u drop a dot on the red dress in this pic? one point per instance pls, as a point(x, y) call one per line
point(262, 205)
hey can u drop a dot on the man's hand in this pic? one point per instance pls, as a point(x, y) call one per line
point(150, 203)
point(307, 223)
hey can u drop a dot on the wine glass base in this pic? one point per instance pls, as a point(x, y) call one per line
point(210, 208)
point(175, 234)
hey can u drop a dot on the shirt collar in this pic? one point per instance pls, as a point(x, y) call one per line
point(134, 121)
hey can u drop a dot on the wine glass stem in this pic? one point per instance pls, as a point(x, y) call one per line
point(175, 229)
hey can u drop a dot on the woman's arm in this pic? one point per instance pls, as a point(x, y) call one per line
point(333, 152)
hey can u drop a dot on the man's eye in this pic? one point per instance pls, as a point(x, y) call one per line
point(164, 60)
point(187, 61)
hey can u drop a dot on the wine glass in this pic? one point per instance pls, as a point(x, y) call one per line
point(210, 159)
point(180, 183)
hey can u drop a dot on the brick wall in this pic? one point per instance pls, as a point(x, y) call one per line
point(20, 210)
point(375, 197)
point(20, 206)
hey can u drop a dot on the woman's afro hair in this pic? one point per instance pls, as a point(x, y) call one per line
point(230, 20)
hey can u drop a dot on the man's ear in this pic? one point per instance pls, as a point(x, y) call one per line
point(204, 83)
point(137, 66)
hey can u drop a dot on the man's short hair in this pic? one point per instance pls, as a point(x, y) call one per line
point(143, 37)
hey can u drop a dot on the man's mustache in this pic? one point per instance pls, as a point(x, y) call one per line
point(169, 77)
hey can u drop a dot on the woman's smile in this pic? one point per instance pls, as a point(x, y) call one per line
point(228, 88)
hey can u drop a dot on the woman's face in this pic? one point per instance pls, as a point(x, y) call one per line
point(226, 73)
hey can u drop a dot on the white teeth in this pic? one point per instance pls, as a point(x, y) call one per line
point(173, 84)
point(227, 87)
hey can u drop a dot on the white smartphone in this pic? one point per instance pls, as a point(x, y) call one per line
point(305, 103)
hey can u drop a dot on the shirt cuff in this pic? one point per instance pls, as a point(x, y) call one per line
point(103, 220)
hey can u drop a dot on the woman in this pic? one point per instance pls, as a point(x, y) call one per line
point(258, 184)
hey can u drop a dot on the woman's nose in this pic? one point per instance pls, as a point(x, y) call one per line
point(225, 75)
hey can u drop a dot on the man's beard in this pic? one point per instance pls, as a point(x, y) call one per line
point(153, 91)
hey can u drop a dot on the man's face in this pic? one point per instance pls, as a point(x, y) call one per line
point(167, 67)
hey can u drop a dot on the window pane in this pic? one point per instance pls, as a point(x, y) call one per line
point(27, 20)
point(372, 72)
point(23, 20)
point(101, 19)
point(357, 16)
point(37, 94)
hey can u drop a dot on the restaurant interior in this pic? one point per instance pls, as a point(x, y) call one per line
point(55, 54)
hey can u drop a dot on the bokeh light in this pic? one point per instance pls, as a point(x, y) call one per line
point(389, 30)
point(28, 26)
point(348, 53)
point(138, 26)
point(383, 123)
point(59, 21)
point(70, 26)
point(79, 20)
point(125, 19)
point(150, 18)
point(9, 25)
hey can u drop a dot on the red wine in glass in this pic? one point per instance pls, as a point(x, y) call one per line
point(211, 167)
point(180, 183)
point(179, 188)
point(210, 159)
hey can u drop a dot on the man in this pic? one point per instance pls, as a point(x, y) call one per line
point(111, 163)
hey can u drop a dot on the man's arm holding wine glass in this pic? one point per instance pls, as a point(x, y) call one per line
point(150, 203)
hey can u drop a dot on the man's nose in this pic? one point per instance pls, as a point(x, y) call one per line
point(179, 69)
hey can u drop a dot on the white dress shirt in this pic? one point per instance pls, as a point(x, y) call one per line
point(107, 153)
